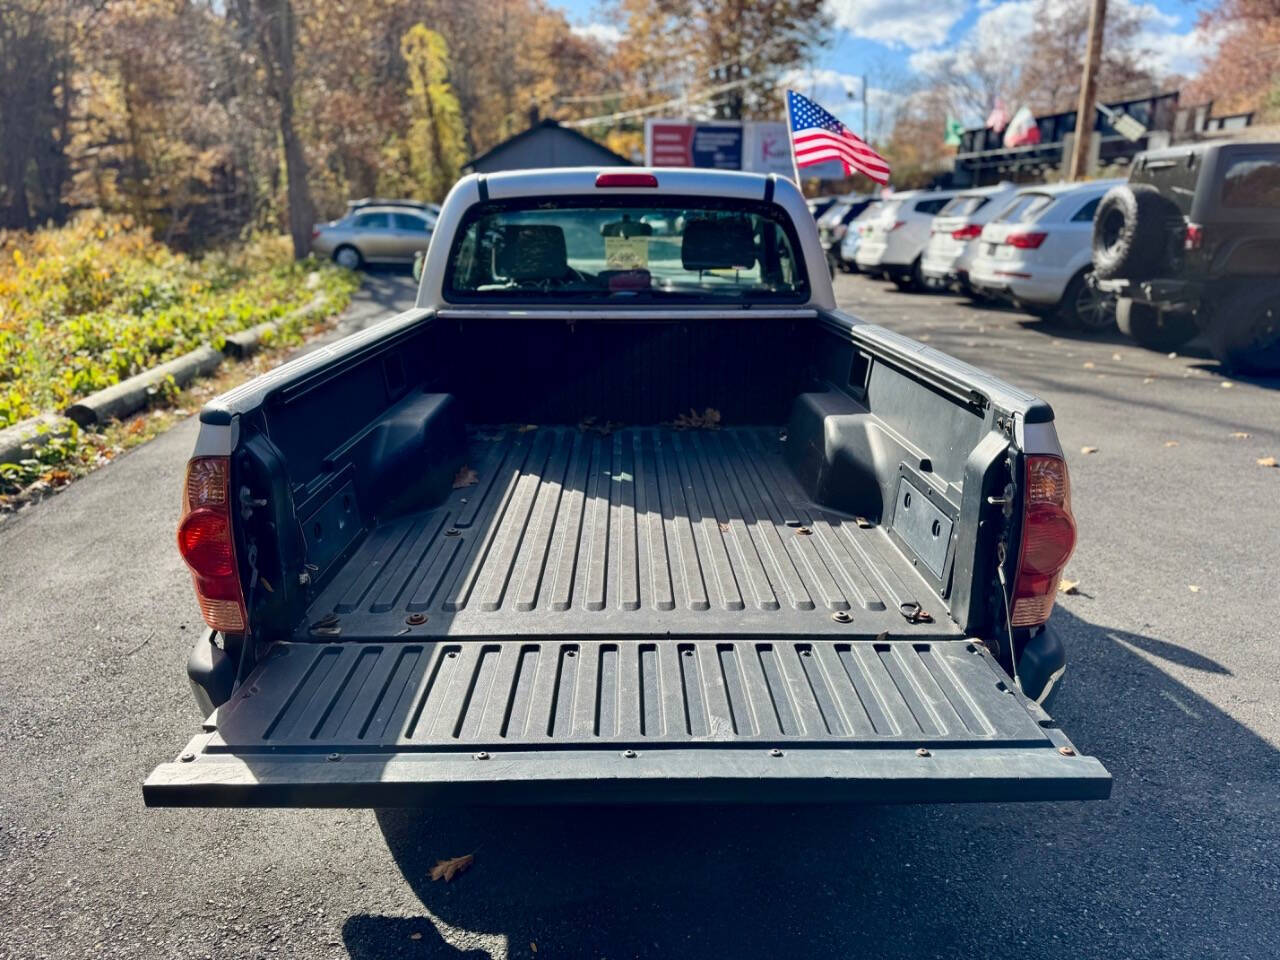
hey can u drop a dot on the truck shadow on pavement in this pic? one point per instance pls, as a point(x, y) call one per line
point(1180, 860)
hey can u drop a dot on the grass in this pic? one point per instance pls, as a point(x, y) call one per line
point(89, 304)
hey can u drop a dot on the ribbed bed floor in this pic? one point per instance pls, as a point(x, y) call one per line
point(645, 532)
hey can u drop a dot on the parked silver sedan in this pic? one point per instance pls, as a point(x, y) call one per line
point(375, 232)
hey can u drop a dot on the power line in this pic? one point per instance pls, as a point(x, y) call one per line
point(708, 94)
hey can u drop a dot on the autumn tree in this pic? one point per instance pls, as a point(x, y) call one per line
point(435, 132)
point(687, 47)
point(1242, 74)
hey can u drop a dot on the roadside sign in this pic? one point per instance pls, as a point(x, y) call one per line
point(1123, 124)
point(683, 143)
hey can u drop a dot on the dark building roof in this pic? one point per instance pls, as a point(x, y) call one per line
point(546, 144)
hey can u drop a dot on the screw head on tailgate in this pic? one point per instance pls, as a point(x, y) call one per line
point(629, 754)
point(922, 752)
point(334, 757)
point(1066, 751)
point(841, 616)
point(481, 755)
point(775, 752)
point(415, 619)
point(187, 757)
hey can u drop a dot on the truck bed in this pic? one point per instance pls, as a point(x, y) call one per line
point(643, 532)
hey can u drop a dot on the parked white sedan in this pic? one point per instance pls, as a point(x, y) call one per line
point(892, 243)
point(953, 242)
point(1036, 253)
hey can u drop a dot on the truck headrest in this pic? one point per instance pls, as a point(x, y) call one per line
point(533, 251)
point(718, 244)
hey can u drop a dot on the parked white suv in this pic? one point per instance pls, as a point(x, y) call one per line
point(1036, 253)
point(953, 242)
point(892, 244)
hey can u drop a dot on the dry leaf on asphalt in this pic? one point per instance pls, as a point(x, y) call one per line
point(448, 869)
point(1240, 435)
point(1268, 462)
point(1193, 588)
point(533, 946)
point(1171, 443)
point(1088, 364)
point(465, 477)
point(415, 936)
point(1088, 449)
point(1227, 384)
point(1115, 356)
point(724, 528)
point(1148, 379)
point(1069, 587)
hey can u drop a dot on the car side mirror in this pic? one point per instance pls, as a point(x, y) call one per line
point(418, 259)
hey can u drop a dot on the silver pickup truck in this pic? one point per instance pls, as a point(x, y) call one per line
point(625, 510)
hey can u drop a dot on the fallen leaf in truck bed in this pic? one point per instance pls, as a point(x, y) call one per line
point(708, 419)
point(1069, 587)
point(1148, 379)
point(1241, 435)
point(1171, 443)
point(465, 477)
point(1227, 384)
point(526, 427)
point(1088, 364)
point(1088, 449)
point(448, 869)
point(1268, 462)
point(415, 935)
point(1193, 588)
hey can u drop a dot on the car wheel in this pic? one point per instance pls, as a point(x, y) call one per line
point(1153, 328)
point(1085, 307)
point(348, 257)
point(1244, 330)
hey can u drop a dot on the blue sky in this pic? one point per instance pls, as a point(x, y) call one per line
point(892, 40)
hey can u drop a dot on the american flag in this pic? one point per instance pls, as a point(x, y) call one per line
point(817, 136)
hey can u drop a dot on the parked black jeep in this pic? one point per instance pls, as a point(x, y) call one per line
point(1192, 242)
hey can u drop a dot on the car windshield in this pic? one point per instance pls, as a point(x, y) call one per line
point(591, 249)
point(962, 206)
point(1025, 208)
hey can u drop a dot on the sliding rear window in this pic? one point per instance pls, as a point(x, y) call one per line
point(626, 249)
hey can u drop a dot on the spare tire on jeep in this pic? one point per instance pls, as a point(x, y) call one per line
point(1132, 232)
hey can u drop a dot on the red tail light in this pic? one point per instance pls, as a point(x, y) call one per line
point(1048, 537)
point(1025, 241)
point(1193, 239)
point(900, 223)
point(315, 232)
point(969, 232)
point(626, 180)
point(206, 543)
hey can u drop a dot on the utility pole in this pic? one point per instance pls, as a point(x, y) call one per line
point(866, 135)
point(1088, 91)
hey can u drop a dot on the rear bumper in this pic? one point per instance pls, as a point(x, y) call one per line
point(1017, 281)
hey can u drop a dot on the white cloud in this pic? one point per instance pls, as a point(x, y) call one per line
point(603, 33)
point(899, 23)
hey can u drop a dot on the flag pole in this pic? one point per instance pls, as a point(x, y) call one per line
point(791, 142)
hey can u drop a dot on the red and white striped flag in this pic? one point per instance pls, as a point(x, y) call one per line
point(817, 136)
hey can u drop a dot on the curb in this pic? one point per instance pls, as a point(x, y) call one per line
point(246, 343)
point(127, 396)
point(19, 439)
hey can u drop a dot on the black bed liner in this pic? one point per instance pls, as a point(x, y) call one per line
point(641, 532)
point(623, 720)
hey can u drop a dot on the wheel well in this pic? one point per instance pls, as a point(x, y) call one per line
point(347, 246)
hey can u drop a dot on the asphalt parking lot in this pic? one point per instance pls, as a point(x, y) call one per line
point(1175, 664)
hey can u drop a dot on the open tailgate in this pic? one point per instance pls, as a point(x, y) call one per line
point(524, 721)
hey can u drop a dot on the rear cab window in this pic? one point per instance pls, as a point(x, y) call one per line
point(590, 248)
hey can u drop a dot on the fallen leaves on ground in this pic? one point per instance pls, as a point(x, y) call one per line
point(724, 527)
point(1193, 588)
point(1088, 449)
point(1240, 435)
point(1171, 443)
point(1115, 356)
point(465, 477)
point(57, 478)
point(415, 935)
point(1148, 379)
point(709, 419)
point(1268, 462)
point(1088, 364)
point(1227, 384)
point(1069, 587)
point(446, 870)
